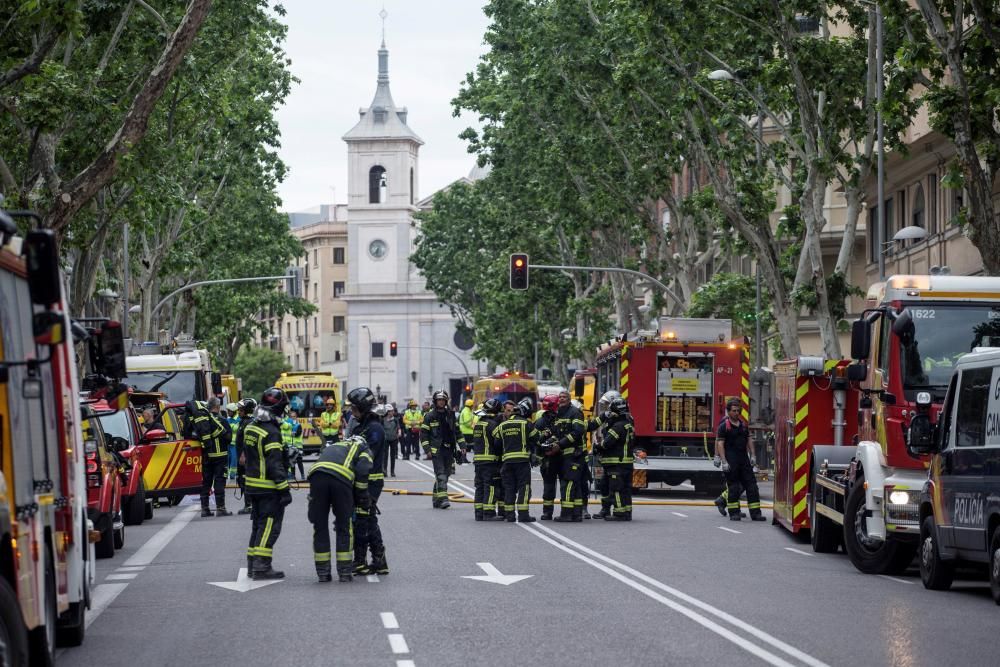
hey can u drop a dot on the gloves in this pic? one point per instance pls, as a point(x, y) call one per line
point(459, 457)
point(285, 499)
point(725, 466)
point(606, 416)
point(717, 461)
point(753, 464)
point(534, 460)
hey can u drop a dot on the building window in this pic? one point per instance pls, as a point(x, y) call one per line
point(338, 255)
point(338, 323)
point(288, 335)
point(315, 326)
point(289, 358)
point(956, 203)
point(297, 332)
point(316, 361)
point(901, 196)
point(413, 194)
point(315, 292)
point(336, 355)
point(296, 362)
point(890, 210)
point(932, 208)
point(917, 216)
point(378, 183)
point(872, 236)
point(377, 351)
point(338, 289)
point(307, 291)
point(315, 257)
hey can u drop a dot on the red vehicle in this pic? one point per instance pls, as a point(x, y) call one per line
point(105, 485)
point(171, 465)
point(677, 381)
point(126, 437)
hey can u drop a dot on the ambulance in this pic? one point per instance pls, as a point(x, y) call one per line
point(307, 394)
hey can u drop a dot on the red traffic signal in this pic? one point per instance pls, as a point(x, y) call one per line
point(393, 348)
point(519, 271)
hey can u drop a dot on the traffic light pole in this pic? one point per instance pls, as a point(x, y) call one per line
point(442, 349)
point(209, 282)
point(610, 269)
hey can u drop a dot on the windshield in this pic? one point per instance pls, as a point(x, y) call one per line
point(310, 403)
point(940, 336)
point(176, 386)
point(116, 424)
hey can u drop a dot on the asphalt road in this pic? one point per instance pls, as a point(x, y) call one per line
point(679, 585)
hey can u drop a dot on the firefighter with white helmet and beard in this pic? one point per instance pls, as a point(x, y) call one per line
point(441, 439)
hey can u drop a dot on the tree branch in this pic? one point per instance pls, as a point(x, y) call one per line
point(33, 62)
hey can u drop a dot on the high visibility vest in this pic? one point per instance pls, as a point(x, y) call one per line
point(465, 421)
point(412, 419)
point(330, 422)
point(286, 431)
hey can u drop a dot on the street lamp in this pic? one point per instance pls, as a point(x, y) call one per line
point(369, 331)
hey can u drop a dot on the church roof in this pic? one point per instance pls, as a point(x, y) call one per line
point(382, 119)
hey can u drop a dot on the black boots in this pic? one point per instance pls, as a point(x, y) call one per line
point(479, 515)
point(222, 511)
point(206, 512)
point(246, 510)
point(720, 503)
point(547, 514)
point(323, 572)
point(379, 564)
point(262, 570)
point(757, 516)
point(524, 517)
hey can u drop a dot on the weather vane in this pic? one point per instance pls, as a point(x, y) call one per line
point(384, 14)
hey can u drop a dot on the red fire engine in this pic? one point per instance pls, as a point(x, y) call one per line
point(843, 469)
point(677, 381)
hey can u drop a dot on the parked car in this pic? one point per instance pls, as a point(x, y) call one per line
point(126, 436)
point(104, 485)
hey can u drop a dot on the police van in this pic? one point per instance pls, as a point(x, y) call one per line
point(960, 502)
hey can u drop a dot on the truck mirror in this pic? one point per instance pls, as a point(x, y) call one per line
point(920, 435)
point(118, 443)
point(217, 383)
point(903, 328)
point(857, 372)
point(107, 351)
point(155, 435)
point(42, 254)
point(578, 388)
point(48, 328)
point(861, 339)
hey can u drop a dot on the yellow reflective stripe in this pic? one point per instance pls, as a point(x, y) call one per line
point(322, 557)
point(271, 446)
point(336, 467)
point(267, 531)
point(376, 477)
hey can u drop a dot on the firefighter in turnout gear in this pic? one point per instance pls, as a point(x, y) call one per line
point(569, 431)
point(486, 453)
point(329, 422)
point(213, 434)
point(549, 452)
point(519, 437)
point(594, 428)
point(368, 534)
point(265, 482)
point(412, 419)
point(338, 482)
point(246, 409)
point(735, 456)
point(441, 439)
point(615, 455)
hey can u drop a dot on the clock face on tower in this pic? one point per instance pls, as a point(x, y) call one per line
point(378, 248)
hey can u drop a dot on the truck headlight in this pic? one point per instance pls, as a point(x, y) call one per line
point(899, 498)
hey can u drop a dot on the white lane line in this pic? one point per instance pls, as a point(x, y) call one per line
point(398, 644)
point(154, 545)
point(131, 568)
point(465, 490)
point(683, 516)
point(389, 621)
point(105, 594)
point(727, 618)
point(405, 663)
point(122, 576)
point(730, 530)
point(902, 581)
point(798, 551)
point(372, 578)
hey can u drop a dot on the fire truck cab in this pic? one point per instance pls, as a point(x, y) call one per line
point(677, 381)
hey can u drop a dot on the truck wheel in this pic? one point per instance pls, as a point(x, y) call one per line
point(105, 547)
point(995, 565)
point(42, 640)
point(936, 574)
point(13, 637)
point(147, 510)
point(134, 507)
point(824, 534)
point(869, 555)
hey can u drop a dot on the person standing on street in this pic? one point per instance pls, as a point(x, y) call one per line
point(466, 420)
point(368, 425)
point(205, 425)
point(486, 453)
point(338, 482)
point(330, 422)
point(569, 429)
point(440, 438)
point(390, 423)
point(734, 455)
point(245, 408)
point(412, 419)
point(615, 456)
point(233, 420)
point(519, 439)
point(549, 452)
point(266, 482)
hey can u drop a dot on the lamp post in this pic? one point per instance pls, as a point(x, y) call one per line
point(369, 332)
point(880, 131)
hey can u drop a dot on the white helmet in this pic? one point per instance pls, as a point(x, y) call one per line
point(606, 398)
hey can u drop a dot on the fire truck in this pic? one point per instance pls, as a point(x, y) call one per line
point(843, 467)
point(46, 557)
point(677, 381)
point(176, 369)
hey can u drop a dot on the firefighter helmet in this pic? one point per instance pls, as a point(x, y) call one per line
point(550, 403)
point(362, 398)
point(491, 406)
point(247, 406)
point(618, 406)
point(274, 401)
point(440, 395)
point(525, 407)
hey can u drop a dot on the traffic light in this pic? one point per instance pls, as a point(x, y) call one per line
point(519, 271)
point(393, 348)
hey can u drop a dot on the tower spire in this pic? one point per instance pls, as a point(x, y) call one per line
point(384, 15)
point(383, 53)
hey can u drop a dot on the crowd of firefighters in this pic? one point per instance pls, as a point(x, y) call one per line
point(506, 439)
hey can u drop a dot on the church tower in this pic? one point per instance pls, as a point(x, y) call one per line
point(386, 297)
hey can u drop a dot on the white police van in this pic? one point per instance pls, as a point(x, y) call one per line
point(960, 502)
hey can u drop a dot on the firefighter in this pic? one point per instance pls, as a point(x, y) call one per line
point(233, 420)
point(338, 482)
point(329, 422)
point(486, 453)
point(245, 409)
point(412, 419)
point(368, 425)
point(519, 437)
point(206, 425)
point(466, 421)
point(615, 455)
point(293, 447)
point(594, 428)
point(440, 439)
point(570, 446)
point(266, 482)
point(735, 456)
point(549, 454)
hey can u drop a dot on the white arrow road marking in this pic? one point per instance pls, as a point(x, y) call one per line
point(243, 583)
point(494, 576)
